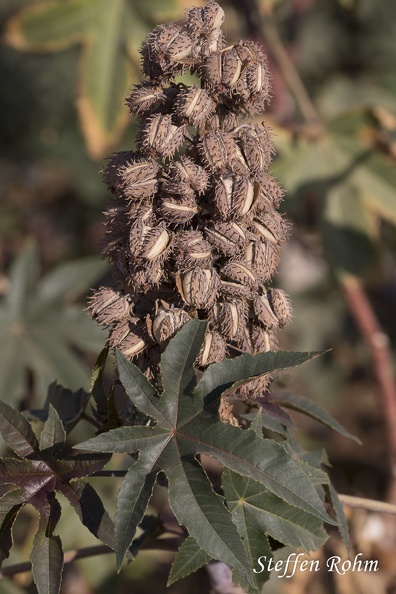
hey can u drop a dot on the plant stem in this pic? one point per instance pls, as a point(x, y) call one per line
point(91, 420)
point(163, 544)
point(378, 343)
point(369, 504)
point(107, 473)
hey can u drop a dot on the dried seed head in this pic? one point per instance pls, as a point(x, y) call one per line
point(264, 312)
point(198, 287)
point(159, 136)
point(108, 306)
point(185, 177)
point(192, 250)
point(213, 349)
point(235, 195)
point(263, 258)
point(281, 306)
point(230, 317)
point(213, 15)
point(167, 322)
point(130, 339)
point(178, 210)
point(255, 143)
point(270, 226)
point(140, 178)
point(155, 243)
point(194, 105)
point(111, 171)
point(145, 97)
point(156, 62)
point(239, 272)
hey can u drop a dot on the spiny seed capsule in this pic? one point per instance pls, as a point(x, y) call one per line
point(261, 258)
point(134, 343)
point(255, 143)
point(193, 105)
point(167, 322)
point(281, 306)
point(239, 272)
point(264, 312)
point(198, 287)
point(146, 97)
point(108, 306)
point(213, 349)
point(178, 211)
point(220, 153)
point(158, 135)
point(111, 171)
point(192, 250)
point(155, 243)
point(230, 317)
point(235, 195)
point(140, 179)
point(271, 192)
point(232, 67)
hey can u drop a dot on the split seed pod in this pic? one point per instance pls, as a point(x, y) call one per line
point(255, 143)
point(140, 179)
point(159, 136)
point(167, 322)
point(178, 211)
point(230, 317)
point(193, 105)
point(213, 349)
point(192, 250)
point(281, 306)
point(198, 287)
point(235, 195)
point(146, 97)
point(108, 306)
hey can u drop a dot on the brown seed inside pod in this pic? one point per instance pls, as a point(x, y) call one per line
point(281, 306)
point(213, 349)
point(264, 312)
point(167, 322)
point(145, 97)
point(198, 287)
point(108, 306)
point(140, 179)
point(194, 105)
point(178, 211)
point(239, 272)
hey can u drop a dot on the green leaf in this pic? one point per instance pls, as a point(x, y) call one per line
point(47, 562)
point(340, 515)
point(313, 410)
point(53, 435)
point(97, 389)
point(16, 431)
point(109, 61)
point(8, 514)
point(189, 558)
point(35, 326)
point(132, 501)
point(183, 430)
point(258, 509)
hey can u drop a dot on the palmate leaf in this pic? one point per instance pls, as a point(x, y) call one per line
point(110, 34)
point(36, 480)
point(40, 328)
point(187, 424)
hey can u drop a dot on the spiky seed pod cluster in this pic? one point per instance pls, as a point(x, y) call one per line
point(193, 228)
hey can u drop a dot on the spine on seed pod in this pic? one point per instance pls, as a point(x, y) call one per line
point(193, 228)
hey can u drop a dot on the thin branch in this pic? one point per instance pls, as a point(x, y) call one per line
point(378, 343)
point(91, 420)
point(369, 504)
point(163, 544)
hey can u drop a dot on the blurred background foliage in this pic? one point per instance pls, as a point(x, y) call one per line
point(65, 67)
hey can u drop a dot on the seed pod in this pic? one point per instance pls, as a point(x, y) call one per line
point(213, 349)
point(235, 195)
point(232, 290)
point(239, 272)
point(195, 23)
point(140, 179)
point(232, 67)
point(159, 136)
point(111, 171)
point(257, 80)
point(185, 170)
point(194, 105)
point(156, 63)
point(131, 342)
point(198, 287)
point(255, 143)
point(270, 191)
point(178, 210)
point(230, 317)
point(108, 306)
point(213, 15)
point(211, 71)
point(263, 258)
point(143, 278)
point(145, 97)
point(192, 250)
point(281, 306)
point(139, 229)
point(155, 243)
point(221, 153)
point(228, 238)
point(264, 312)
point(167, 322)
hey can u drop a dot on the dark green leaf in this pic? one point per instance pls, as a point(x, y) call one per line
point(189, 558)
point(16, 431)
point(340, 515)
point(313, 410)
point(53, 435)
point(97, 389)
point(47, 562)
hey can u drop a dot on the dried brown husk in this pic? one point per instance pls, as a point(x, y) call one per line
point(281, 306)
point(177, 209)
point(229, 318)
point(111, 171)
point(192, 250)
point(213, 349)
point(198, 287)
point(167, 322)
point(140, 179)
point(255, 143)
point(130, 339)
point(108, 306)
point(159, 136)
point(146, 97)
point(193, 105)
